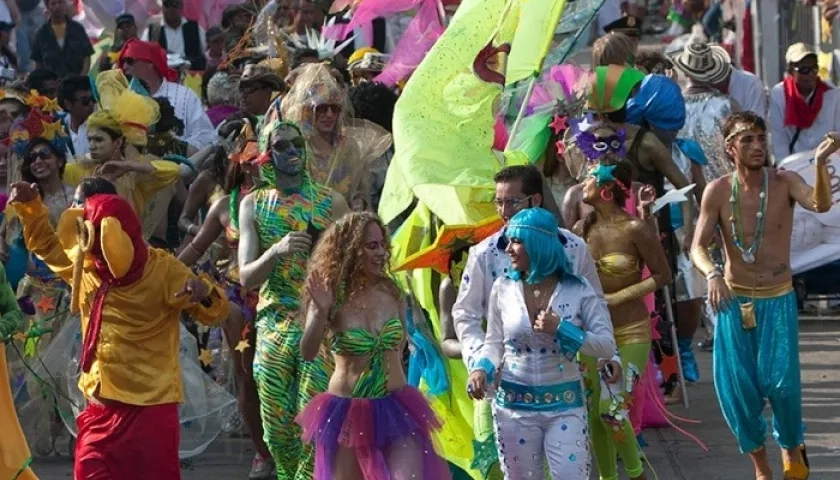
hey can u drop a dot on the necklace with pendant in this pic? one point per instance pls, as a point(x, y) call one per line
point(747, 254)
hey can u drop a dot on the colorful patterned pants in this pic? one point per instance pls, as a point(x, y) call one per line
point(608, 434)
point(285, 384)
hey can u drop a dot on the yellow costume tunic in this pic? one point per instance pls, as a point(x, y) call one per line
point(136, 358)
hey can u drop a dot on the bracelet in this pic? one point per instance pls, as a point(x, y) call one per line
point(716, 273)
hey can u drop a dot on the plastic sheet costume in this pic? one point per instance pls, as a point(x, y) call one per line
point(704, 117)
point(342, 160)
point(47, 292)
point(14, 451)
point(540, 407)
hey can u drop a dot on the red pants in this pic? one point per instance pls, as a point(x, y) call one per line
point(126, 442)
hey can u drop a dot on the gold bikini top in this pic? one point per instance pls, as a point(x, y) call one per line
point(618, 264)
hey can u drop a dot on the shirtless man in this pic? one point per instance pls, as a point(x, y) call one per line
point(279, 224)
point(756, 355)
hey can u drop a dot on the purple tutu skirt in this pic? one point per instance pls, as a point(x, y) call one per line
point(377, 428)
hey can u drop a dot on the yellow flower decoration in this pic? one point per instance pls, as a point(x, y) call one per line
point(52, 130)
point(51, 105)
point(34, 99)
point(20, 136)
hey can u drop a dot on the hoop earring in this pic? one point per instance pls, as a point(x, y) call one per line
point(607, 195)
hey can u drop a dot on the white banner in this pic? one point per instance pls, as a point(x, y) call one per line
point(816, 236)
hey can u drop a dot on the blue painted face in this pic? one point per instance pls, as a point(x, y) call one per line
point(288, 151)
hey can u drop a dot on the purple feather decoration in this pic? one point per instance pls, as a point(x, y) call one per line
point(595, 147)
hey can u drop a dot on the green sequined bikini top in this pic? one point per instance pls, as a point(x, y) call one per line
point(360, 342)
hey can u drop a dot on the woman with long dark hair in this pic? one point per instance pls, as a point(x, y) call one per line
point(622, 246)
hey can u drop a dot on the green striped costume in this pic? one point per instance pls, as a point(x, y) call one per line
point(285, 382)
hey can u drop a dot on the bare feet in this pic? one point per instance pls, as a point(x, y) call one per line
point(761, 465)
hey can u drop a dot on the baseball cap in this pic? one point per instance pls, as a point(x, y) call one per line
point(798, 51)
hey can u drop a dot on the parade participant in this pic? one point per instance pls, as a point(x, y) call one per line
point(130, 297)
point(342, 152)
point(40, 148)
point(540, 316)
point(14, 451)
point(222, 219)
point(147, 62)
point(756, 354)
point(517, 188)
point(279, 224)
point(623, 245)
point(370, 423)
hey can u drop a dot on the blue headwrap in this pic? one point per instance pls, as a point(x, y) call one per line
point(536, 228)
point(659, 102)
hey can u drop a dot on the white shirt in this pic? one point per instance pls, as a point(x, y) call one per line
point(828, 120)
point(175, 38)
point(533, 358)
point(749, 91)
point(198, 130)
point(487, 262)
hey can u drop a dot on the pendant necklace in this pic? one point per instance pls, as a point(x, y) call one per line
point(747, 254)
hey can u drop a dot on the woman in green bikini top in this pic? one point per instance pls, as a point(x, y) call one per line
point(370, 424)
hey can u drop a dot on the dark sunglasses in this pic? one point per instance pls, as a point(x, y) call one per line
point(171, 4)
point(282, 145)
point(85, 100)
point(47, 91)
point(806, 69)
point(43, 154)
point(322, 109)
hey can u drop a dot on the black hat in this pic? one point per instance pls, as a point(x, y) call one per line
point(629, 25)
point(124, 18)
point(6, 26)
point(233, 10)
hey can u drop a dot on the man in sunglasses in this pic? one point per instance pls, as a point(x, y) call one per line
point(279, 226)
point(76, 98)
point(803, 108)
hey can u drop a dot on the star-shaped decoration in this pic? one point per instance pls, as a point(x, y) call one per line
point(34, 99)
point(242, 346)
point(561, 147)
point(205, 357)
point(450, 239)
point(584, 125)
point(603, 173)
point(46, 304)
point(52, 130)
point(558, 124)
point(20, 135)
point(485, 455)
point(51, 105)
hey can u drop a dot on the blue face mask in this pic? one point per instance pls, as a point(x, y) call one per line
point(289, 156)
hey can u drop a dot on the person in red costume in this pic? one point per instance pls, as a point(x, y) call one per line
point(130, 297)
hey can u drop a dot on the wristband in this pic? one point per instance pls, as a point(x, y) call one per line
point(716, 273)
point(570, 338)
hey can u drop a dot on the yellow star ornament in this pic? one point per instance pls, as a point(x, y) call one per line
point(205, 357)
point(51, 105)
point(242, 346)
point(52, 130)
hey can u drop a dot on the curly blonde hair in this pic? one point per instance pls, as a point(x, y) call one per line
point(338, 258)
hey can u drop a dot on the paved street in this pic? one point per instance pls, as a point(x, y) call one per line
point(673, 456)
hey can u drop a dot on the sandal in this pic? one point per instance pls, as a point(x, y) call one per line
point(798, 471)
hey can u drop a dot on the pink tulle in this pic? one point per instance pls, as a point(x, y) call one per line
point(373, 427)
point(422, 33)
point(369, 10)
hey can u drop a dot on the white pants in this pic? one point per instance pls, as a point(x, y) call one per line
point(527, 440)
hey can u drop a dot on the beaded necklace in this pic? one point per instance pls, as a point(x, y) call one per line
point(735, 220)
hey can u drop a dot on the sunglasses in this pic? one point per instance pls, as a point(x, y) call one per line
point(282, 145)
point(85, 100)
point(43, 154)
point(171, 4)
point(806, 69)
point(322, 109)
point(48, 91)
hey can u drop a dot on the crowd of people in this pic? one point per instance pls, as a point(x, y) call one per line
point(179, 262)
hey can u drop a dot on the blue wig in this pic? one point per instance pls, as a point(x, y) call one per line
point(536, 228)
